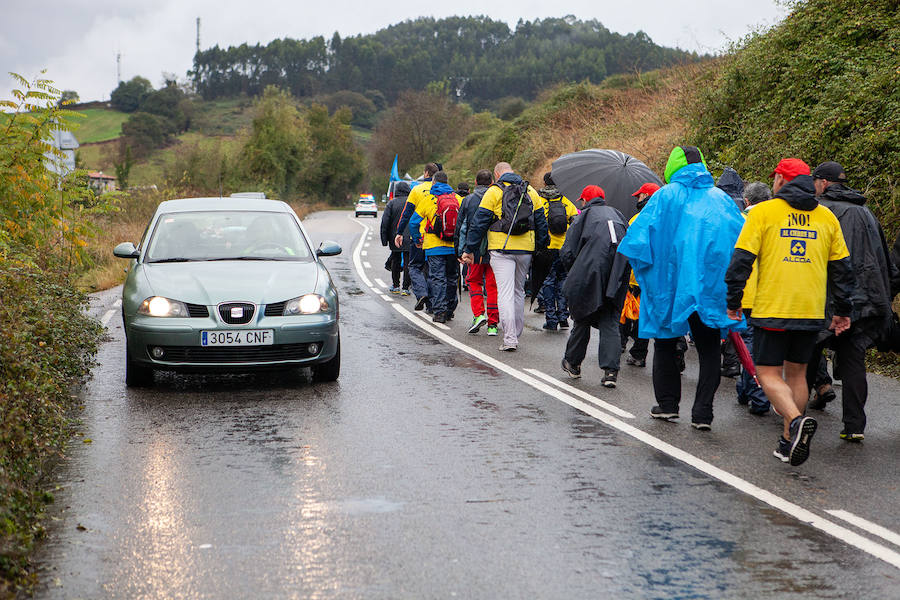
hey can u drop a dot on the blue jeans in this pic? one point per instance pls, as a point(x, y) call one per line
point(555, 308)
point(443, 272)
point(747, 390)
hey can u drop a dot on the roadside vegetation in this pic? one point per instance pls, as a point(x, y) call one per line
point(47, 341)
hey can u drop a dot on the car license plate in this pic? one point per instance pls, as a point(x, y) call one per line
point(249, 337)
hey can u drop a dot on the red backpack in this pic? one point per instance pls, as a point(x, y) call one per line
point(444, 223)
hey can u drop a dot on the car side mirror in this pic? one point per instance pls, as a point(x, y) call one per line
point(328, 248)
point(126, 250)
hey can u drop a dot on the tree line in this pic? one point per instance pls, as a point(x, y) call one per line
point(480, 59)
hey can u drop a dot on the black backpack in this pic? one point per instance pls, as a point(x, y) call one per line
point(517, 210)
point(557, 219)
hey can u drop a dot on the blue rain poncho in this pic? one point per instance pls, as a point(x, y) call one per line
point(679, 247)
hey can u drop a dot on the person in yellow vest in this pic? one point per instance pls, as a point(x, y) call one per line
point(511, 216)
point(418, 267)
point(559, 212)
point(443, 268)
point(628, 328)
point(799, 249)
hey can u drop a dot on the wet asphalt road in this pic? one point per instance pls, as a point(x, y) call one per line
point(426, 473)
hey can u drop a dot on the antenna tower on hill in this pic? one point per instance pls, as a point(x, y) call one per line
point(198, 35)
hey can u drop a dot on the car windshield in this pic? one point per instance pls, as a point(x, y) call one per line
point(227, 235)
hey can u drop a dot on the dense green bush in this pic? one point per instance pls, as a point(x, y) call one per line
point(46, 340)
point(822, 85)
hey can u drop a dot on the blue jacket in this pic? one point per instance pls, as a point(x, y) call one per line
point(679, 247)
point(467, 211)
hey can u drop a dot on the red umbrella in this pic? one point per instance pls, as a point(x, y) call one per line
point(743, 354)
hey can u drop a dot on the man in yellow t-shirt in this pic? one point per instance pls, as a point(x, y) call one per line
point(799, 248)
point(559, 212)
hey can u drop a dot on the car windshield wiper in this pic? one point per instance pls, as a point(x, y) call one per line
point(172, 260)
point(242, 258)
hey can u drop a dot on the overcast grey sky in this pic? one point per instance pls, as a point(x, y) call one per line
point(77, 40)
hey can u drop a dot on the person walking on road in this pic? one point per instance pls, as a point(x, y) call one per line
point(418, 267)
point(630, 318)
point(798, 247)
point(559, 212)
point(480, 278)
point(749, 394)
point(512, 217)
point(679, 247)
point(438, 212)
point(870, 259)
point(399, 259)
point(596, 284)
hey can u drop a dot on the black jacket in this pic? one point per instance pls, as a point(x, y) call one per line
point(466, 217)
point(598, 274)
point(390, 218)
point(800, 194)
point(869, 254)
point(732, 184)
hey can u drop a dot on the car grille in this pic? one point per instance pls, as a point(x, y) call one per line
point(247, 311)
point(276, 309)
point(235, 354)
point(197, 310)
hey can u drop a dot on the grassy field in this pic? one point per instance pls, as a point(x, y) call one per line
point(99, 125)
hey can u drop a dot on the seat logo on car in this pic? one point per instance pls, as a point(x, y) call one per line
point(237, 312)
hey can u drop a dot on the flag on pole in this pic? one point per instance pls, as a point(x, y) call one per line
point(395, 175)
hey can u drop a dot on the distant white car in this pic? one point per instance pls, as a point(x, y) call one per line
point(366, 205)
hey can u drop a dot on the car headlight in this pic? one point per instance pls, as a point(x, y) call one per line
point(306, 305)
point(157, 306)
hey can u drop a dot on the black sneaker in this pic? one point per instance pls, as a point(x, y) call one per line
point(657, 413)
point(824, 395)
point(550, 326)
point(609, 378)
point(573, 370)
point(564, 324)
point(852, 437)
point(802, 431)
point(439, 318)
point(701, 426)
point(783, 451)
point(635, 362)
point(421, 303)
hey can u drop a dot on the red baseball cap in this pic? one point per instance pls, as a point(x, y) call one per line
point(790, 168)
point(592, 191)
point(647, 188)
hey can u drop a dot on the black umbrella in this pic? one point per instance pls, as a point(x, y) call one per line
point(619, 174)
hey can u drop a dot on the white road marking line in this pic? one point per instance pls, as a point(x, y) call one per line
point(380, 283)
point(364, 253)
point(367, 265)
point(356, 262)
point(873, 528)
point(106, 317)
point(798, 512)
point(581, 394)
point(385, 298)
point(117, 303)
point(366, 245)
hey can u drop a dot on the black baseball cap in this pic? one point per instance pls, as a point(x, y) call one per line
point(830, 171)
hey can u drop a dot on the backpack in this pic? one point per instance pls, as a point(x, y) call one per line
point(557, 219)
point(444, 223)
point(516, 210)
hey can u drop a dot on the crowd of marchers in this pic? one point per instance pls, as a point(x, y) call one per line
point(764, 280)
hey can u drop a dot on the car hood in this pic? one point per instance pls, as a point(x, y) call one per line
point(209, 283)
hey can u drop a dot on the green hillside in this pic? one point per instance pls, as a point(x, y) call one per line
point(99, 125)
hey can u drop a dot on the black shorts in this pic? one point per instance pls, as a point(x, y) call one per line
point(773, 348)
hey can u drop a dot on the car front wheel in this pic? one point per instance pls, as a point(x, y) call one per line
point(135, 374)
point(330, 369)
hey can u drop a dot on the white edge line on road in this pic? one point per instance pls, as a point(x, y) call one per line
point(106, 317)
point(581, 394)
point(831, 528)
point(873, 528)
point(379, 282)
